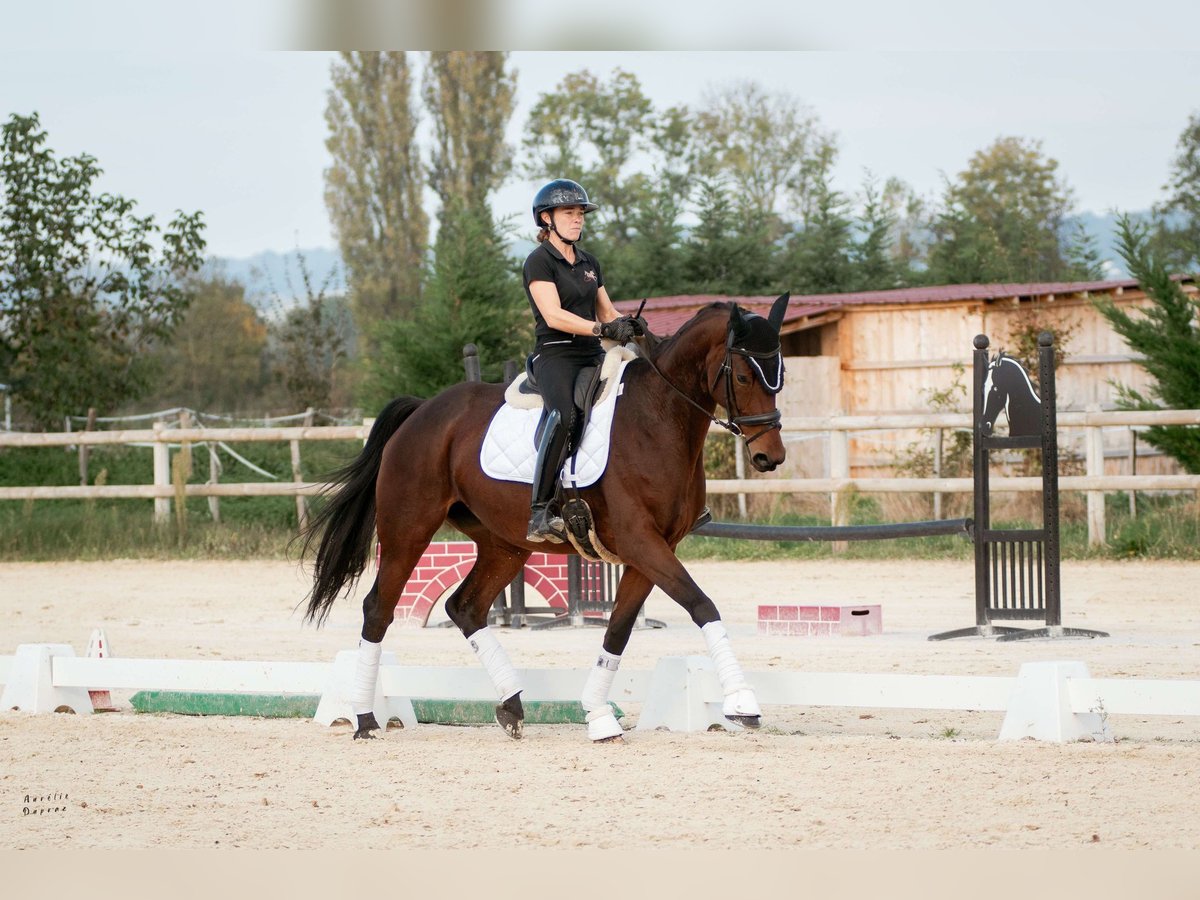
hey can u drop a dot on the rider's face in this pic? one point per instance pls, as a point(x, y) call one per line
point(569, 221)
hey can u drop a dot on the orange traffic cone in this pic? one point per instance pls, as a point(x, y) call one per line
point(98, 649)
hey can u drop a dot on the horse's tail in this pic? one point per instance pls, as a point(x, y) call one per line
point(345, 523)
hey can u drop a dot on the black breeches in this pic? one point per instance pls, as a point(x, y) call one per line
point(555, 369)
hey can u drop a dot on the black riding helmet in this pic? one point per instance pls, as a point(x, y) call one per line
point(560, 192)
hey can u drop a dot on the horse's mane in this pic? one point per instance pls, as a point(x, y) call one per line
point(660, 345)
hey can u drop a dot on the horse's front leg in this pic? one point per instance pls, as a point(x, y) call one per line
point(650, 554)
point(602, 724)
point(495, 566)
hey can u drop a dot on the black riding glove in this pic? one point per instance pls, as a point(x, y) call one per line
point(622, 330)
point(643, 328)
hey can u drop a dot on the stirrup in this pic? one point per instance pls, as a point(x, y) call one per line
point(546, 526)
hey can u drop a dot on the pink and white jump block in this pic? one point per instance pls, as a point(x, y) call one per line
point(810, 621)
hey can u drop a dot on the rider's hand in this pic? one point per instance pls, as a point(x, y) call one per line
point(622, 330)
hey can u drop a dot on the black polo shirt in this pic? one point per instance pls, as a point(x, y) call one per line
point(577, 286)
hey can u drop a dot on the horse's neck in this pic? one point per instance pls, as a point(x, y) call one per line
point(684, 362)
point(1023, 388)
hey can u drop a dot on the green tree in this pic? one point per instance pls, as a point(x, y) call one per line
point(472, 295)
point(469, 95)
point(590, 131)
point(215, 359)
point(768, 145)
point(874, 266)
point(1177, 227)
point(86, 285)
point(1165, 333)
point(373, 188)
point(820, 254)
point(1084, 262)
point(1002, 218)
point(911, 233)
point(309, 342)
point(724, 253)
point(653, 263)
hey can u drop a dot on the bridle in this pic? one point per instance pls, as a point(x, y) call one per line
point(736, 424)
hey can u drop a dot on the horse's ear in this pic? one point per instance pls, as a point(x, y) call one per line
point(736, 318)
point(777, 311)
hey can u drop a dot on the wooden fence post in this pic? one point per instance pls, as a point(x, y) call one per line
point(84, 449)
point(937, 472)
point(162, 473)
point(214, 477)
point(1132, 470)
point(839, 467)
point(301, 501)
point(740, 469)
point(1094, 444)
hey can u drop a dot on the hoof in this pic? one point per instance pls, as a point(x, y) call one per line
point(512, 726)
point(751, 722)
point(366, 724)
point(510, 715)
point(614, 739)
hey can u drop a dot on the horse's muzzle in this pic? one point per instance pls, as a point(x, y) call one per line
point(762, 462)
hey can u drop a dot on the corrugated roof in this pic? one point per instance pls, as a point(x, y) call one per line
point(666, 314)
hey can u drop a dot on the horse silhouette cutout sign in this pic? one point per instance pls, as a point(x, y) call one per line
point(1008, 388)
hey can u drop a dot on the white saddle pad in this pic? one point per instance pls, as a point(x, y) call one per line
point(509, 452)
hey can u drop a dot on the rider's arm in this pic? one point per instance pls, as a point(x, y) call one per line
point(605, 311)
point(545, 295)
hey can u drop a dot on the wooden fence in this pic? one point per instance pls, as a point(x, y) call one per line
point(839, 428)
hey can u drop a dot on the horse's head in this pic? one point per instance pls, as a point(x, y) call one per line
point(748, 378)
point(1005, 383)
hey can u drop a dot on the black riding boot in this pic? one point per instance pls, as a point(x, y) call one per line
point(545, 524)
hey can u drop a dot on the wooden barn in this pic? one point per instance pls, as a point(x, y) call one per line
point(889, 351)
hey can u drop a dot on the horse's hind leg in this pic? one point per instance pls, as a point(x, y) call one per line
point(632, 592)
point(495, 566)
point(401, 550)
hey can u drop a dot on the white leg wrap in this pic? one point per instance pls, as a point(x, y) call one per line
point(496, 661)
point(366, 676)
point(739, 696)
point(601, 721)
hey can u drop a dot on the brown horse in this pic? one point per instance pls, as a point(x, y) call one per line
point(420, 467)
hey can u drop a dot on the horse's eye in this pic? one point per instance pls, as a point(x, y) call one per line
point(743, 379)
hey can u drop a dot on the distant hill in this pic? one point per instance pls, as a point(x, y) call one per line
point(269, 274)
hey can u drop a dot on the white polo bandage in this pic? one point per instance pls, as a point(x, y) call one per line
point(496, 661)
point(366, 676)
point(739, 696)
point(599, 682)
point(728, 669)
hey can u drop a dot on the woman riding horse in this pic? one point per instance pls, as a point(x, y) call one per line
point(420, 468)
point(571, 312)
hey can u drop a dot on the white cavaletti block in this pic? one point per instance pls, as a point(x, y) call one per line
point(335, 701)
point(684, 695)
point(1040, 706)
point(30, 686)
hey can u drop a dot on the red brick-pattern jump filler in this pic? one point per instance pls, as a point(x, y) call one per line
point(446, 563)
point(806, 621)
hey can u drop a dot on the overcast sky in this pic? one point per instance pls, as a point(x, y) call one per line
point(239, 132)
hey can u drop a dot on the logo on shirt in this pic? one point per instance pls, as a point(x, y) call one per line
point(589, 275)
